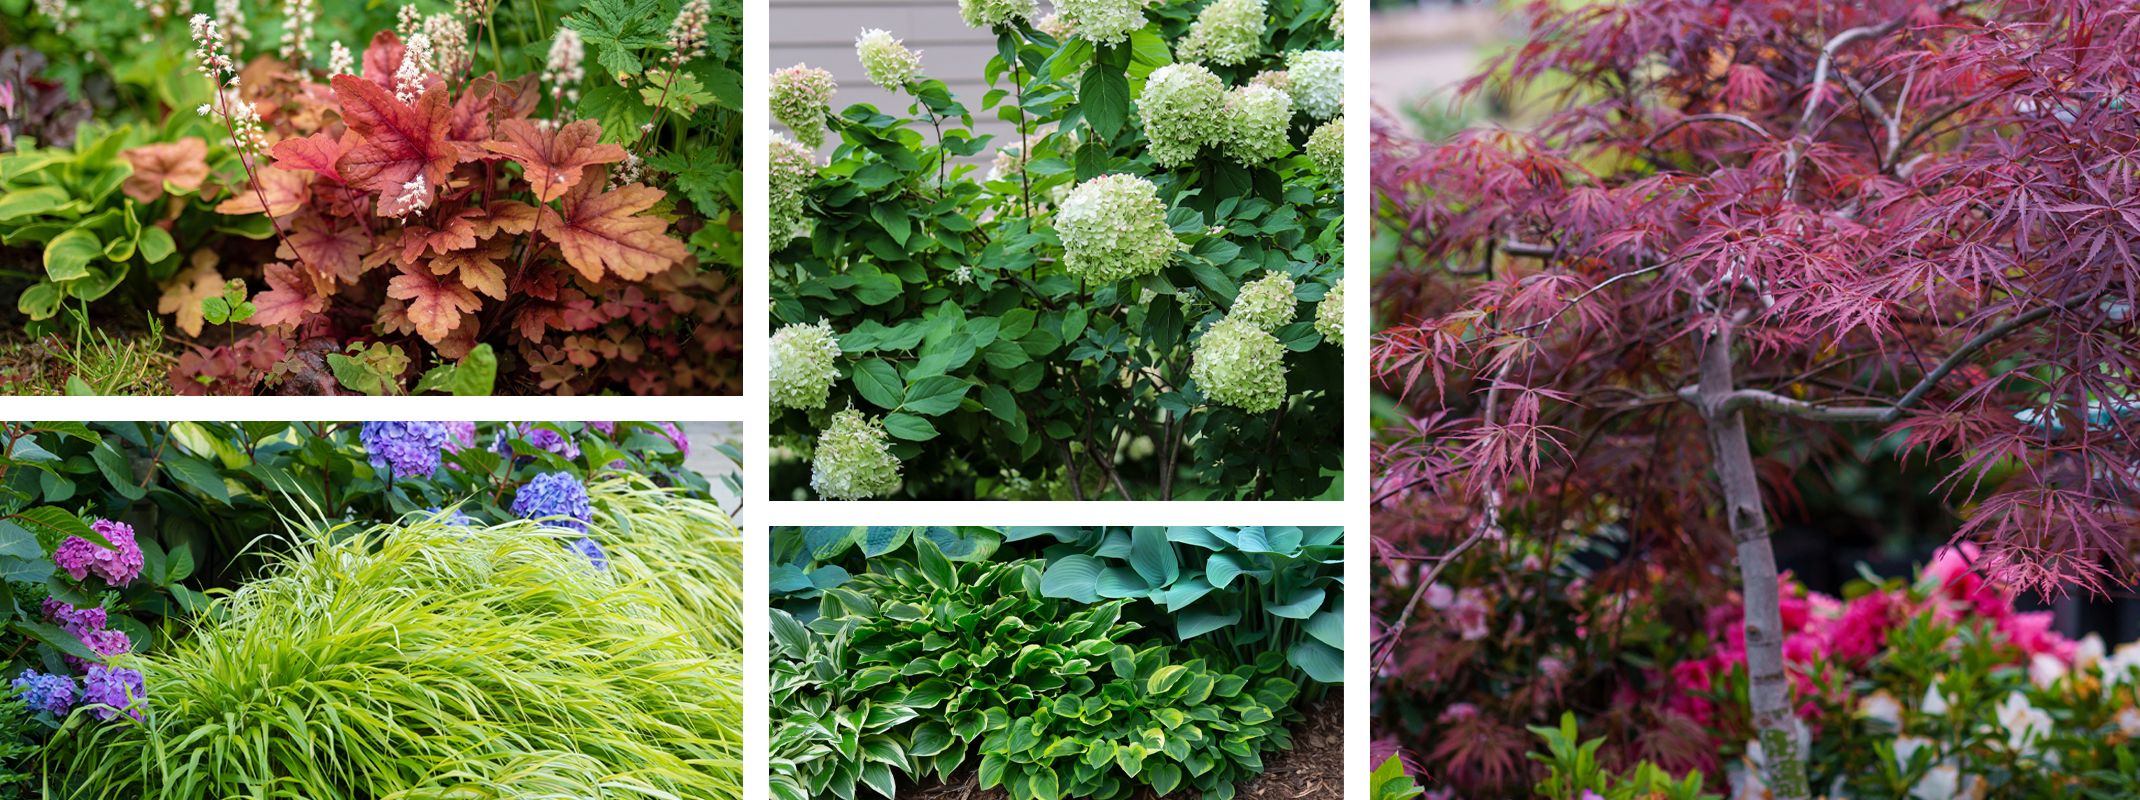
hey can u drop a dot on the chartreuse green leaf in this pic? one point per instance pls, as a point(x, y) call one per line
point(68, 255)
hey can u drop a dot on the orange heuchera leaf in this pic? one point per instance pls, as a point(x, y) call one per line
point(509, 216)
point(435, 304)
point(317, 153)
point(598, 232)
point(479, 267)
point(383, 58)
point(456, 232)
point(554, 158)
point(392, 319)
point(183, 293)
point(285, 191)
point(338, 253)
point(294, 294)
point(400, 142)
point(183, 163)
point(483, 103)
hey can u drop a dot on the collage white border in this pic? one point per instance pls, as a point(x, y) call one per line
point(759, 511)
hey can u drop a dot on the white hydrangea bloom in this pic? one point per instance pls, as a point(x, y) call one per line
point(1240, 365)
point(1225, 32)
point(1104, 21)
point(1317, 81)
point(1054, 25)
point(1326, 148)
point(1114, 227)
point(790, 168)
point(1274, 78)
point(801, 365)
point(1256, 119)
point(990, 13)
point(1266, 303)
point(889, 63)
point(802, 96)
point(1010, 162)
point(1330, 315)
point(853, 459)
point(1183, 108)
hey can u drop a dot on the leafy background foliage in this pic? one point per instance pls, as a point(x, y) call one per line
point(1027, 383)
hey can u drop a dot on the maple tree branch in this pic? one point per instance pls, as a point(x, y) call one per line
point(1526, 249)
point(1975, 343)
point(1675, 125)
point(1441, 562)
point(1770, 401)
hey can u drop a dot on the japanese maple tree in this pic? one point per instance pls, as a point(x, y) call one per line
point(1736, 224)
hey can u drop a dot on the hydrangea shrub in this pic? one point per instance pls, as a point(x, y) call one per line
point(1055, 326)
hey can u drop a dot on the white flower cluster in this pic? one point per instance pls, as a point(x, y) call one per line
point(1316, 80)
point(414, 196)
point(1266, 303)
point(631, 170)
point(409, 79)
point(1104, 21)
point(1330, 314)
point(990, 13)
point(60, 13)
point(246, 134)
point(1056, 26)
point(888, 63)
point(1225, 32)
point(1183, 108)
point(208, 47)
point(563, 69)
point(231, 17)
point(687, 35)
point(962, 275)
point(801, 365)
point(339, 60)
point(1256, 119)
point(1326, 147)
point(449, 53)
point(790, 168)
point(1274, 78)
point(853, 461)
point(1010, 163)
point(1337, 21)
point(1240, 365)
point(297, 19)
point(1114, 227)
point(802, 96)
point(407, 22)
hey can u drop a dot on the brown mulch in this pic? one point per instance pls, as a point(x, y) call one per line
point(1313, 770)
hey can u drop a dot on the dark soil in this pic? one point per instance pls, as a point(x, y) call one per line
point(1312, 770)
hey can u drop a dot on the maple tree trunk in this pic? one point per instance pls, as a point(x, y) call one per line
point(1769, 689)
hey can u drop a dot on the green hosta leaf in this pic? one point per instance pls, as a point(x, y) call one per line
point(1074, 577)
point(883, 749)
point(878, 777)
point(1120, 582)
point(929, 693)
point(68, 255)
point(1043, 783)
point(1185, 592)
point(991, 772)
point(871, 677)
point(967, 724)
point(1062, 746)
point(1222, 569)
point(1153, 556)
point(937, 568)
point(1301, 605)
point(1328, 627)
point(1163, 778)
point(1197, 621)
point(793, 638)
point(1197, 535)
point(1164, 679)
point(19, 542)
point(827, 542)
point(1321, 661)
point(929, 738)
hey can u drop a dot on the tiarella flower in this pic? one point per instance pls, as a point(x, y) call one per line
point(117, 565)
point(802, 366)
point(888, 63)
point(1114, 227)
point(52, 694)
point(1225, 32)
point(404, 449)
point(1316, 79)
point(1330, 314)
point(990, 13)
point(208, 47)
point(687, 34)
point(1184, 108)
point(791, 169)
point(1326, 149)
point(563, 69)
point(414, 196)
point(1104, 21)
point(853, 460)
point(592, 550)
point(802, 96)
point(555, 498)
point(448, 35)
point(60, 14)
point(230, 16)
point(339, 60)
point(1266, 303)
point(1240, 365)
point(115, 690)
point(409, 79)
point(297, 19)
point(1256, 118)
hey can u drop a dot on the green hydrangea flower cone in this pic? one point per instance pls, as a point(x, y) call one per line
point(1114, 227)
point(801, 365)
point(854, 460)
point(1240, 365)
point(1330, 315)
point(1266, 303)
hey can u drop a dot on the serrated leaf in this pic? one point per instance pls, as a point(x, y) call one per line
point(605, 232)
point(554, 158)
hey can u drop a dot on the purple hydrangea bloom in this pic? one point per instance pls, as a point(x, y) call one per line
point(117, 567)
point(53, 693)
point(683, 444)
point(115, 689)
point(554, 494)
point(593, 551)
point(405, 449)
point(607, 428)
point(453, 518)
point(77, 621)
point(459, 435)
point(540, 438)
point(106, 643)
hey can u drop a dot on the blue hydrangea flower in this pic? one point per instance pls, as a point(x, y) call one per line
point(592, 550)
point(115, 689)
point(54, 693)
point(554, 494)
point(454, 518)
point(405, 449)
point(541, 438)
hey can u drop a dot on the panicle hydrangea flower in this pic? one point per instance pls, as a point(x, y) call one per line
point(1326, 148)
point(888, 63)
point(1114, 227)
point(1265, 303)
point(554, 494)
point(990, 13)
point(1275, 78)
point(801, 365)
point(853, 460)
point(1330, 315)
point(1256, 119)
point(115, 689)
point(118, 567)
point(53, 694)
point(1317, 81)
point(1010, 163)
point(405, 449)
point(103, 642)
point(1240, 365)
point(592, 550)
point(676, 437)
point(76, 621)
point(1056, 26)
point(791, 167)
point(802, 96)
point(1104, 21)
point(1225, 32)
point(339, 60)
point(1183, 108)
point(563, 69)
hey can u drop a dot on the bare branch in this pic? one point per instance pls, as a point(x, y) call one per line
point(1675, 124)
point(1975, 343)
point(1770, 401)
point(1441, 562)
point(1528, 250)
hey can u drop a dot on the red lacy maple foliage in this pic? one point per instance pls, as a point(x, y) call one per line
point(1918, 219)
point(454, 219)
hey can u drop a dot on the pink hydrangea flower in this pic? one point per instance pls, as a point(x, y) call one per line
point(76, 620)
point(106, 643)
point(1468, 613)
point(117, 567)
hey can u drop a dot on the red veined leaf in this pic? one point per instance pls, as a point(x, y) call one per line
point(383, 58)
point(555, 158)
point(332, 252)
point(316, 153)
point(284, 190)
point(401, 142)
point(599, 232)
point(435, 303)
point(294, 294)
point(455, 232)
point(182, 163)
point(478, 267)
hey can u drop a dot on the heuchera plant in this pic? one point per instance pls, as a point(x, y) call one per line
point(1739, 223)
